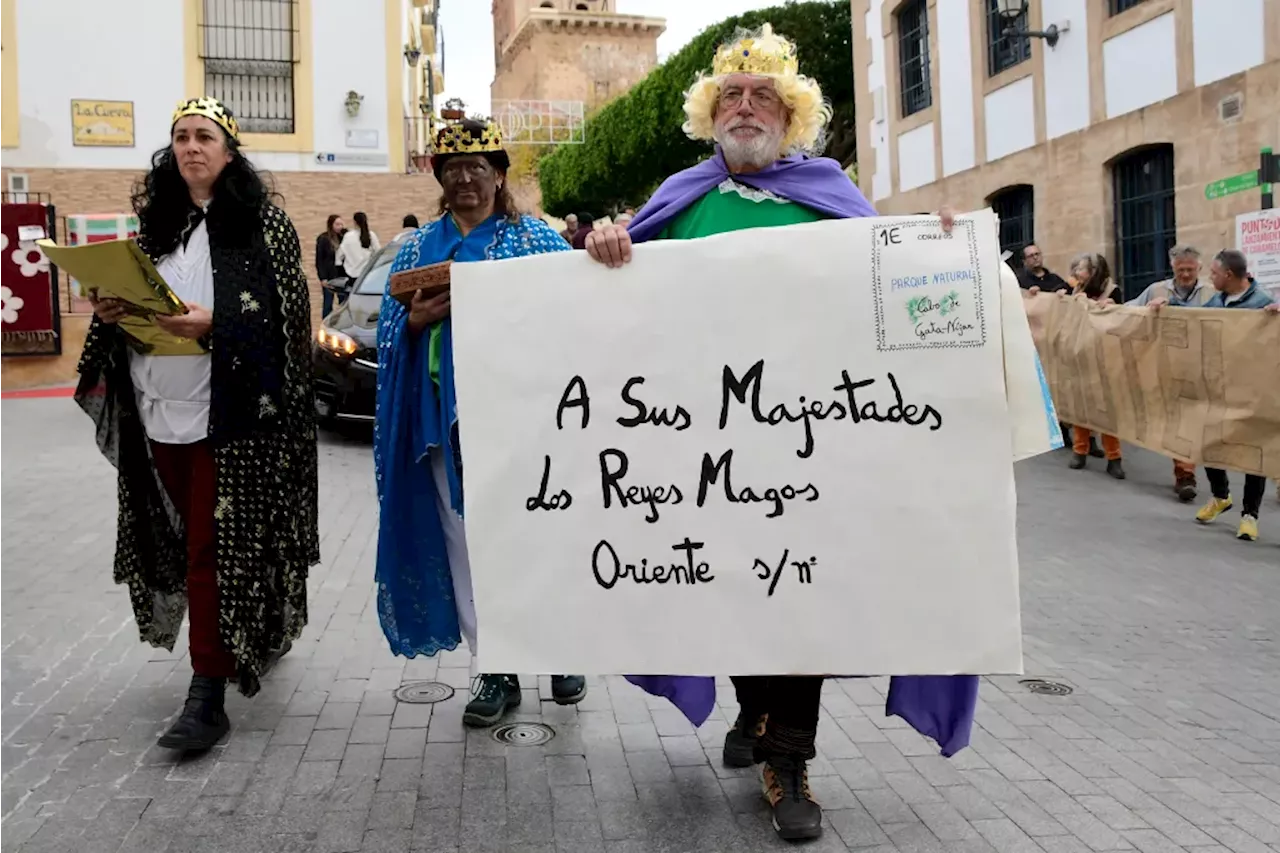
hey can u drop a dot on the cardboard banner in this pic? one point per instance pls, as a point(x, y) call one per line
point(1199, 384)
point(776, 450)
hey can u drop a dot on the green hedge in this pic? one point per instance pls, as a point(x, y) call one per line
point(635, 142)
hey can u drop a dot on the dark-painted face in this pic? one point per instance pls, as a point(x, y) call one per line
point(470, 183)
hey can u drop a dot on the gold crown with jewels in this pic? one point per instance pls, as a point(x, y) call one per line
point(766, 54)
point(211, 109)
point(458, 139)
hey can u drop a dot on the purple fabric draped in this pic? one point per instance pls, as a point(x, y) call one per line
point(816, 182)
point(940, 707)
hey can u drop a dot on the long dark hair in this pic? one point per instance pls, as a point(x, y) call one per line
point(503, 202)
point(329, 232)
point(1099, 274)
point(162, 200)
point(362, 221)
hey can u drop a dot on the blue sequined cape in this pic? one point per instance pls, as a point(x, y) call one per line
point(415, 588)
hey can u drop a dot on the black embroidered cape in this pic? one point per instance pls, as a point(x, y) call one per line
point(263, 435)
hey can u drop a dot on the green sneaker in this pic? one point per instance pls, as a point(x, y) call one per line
point(491, 697)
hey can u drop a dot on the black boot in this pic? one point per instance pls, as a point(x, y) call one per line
point(1115, 468)
point(203, 720)
point(740, 741)
point(786, 786)
point(1078, 461)
point(1094, 450)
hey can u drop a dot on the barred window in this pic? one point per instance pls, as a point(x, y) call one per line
point(1004, 52)
point(249, 48)
point(1118, 6)
point(1146, 222)
point(913, 57)
point(1016, 207)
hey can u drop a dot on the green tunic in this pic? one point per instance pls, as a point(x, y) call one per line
point(732, 207)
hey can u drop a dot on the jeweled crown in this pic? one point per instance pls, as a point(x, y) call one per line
point(210, 108)
point(458, 139)
point(765, 54)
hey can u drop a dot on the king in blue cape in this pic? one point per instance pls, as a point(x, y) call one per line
point(765, 118)
point(425, 599)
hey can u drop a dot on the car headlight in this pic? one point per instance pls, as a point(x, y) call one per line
point(339, 343)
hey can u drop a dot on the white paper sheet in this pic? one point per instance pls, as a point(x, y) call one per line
point(882, 546)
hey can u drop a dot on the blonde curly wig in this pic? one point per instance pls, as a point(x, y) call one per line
point(762, 53)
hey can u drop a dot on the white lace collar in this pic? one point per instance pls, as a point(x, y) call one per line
point(729, 185)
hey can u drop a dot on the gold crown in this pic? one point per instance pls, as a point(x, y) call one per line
point(210, 108)
point(765, 54)
point(457, 139)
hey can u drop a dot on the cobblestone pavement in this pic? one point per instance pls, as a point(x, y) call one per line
point(1169, 634)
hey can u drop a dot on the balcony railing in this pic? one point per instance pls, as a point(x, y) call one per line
point(417, 144)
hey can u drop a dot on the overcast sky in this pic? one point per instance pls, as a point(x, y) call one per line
point(468, 33)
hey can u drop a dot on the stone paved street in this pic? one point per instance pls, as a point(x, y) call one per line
point(1168, 633)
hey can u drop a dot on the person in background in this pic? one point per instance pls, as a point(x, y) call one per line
point(409, 224)
point(1184, 290)
point(623, 219)
point(586, 224)
point(327, 260)
point(1235, 288)
point(357, 247)
point(425, 597)
point(1034, 276)
point(215, 451)
point(570, 227)
point(1092, 277)
point(767, 121)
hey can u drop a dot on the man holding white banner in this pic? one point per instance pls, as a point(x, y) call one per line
point(764, 117)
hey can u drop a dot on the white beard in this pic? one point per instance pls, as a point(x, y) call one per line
point(757, 152)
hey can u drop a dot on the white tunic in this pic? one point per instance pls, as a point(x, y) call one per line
point(173, 391)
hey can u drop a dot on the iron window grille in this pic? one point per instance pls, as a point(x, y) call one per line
point(1004, 52)
point(1016, 207)
point(1145, 220)
point(1115, 7)
point(913, 57)
point(250, 48)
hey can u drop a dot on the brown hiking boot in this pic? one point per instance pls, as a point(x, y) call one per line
point(785, 783)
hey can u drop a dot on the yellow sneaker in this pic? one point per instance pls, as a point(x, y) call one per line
point(1248, 529)
point(1214, 508)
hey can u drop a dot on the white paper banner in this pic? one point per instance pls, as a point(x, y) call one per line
point(783, 450)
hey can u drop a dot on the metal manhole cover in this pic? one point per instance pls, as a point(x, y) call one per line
point(423, 692)
point(523, 734)
point(1046, 688)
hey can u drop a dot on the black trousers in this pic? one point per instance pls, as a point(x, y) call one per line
point(792, 703)
point(1254, 487)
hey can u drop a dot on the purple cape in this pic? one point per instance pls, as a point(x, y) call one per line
point(940, 707)
point(816, 182)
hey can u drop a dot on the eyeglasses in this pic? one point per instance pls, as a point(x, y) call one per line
point(760, 99)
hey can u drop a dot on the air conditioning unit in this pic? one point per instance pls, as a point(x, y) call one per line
point(18, 186)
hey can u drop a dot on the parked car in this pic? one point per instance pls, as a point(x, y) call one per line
point(344, 355)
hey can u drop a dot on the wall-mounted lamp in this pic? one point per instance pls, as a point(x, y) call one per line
point(1012, 9)
point(412, 54)
point(352, 103)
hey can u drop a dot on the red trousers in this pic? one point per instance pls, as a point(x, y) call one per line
point(187, 472)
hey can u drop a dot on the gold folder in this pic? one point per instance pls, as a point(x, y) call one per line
point(119, 269)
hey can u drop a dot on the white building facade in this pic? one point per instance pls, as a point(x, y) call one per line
point(1102, 142)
